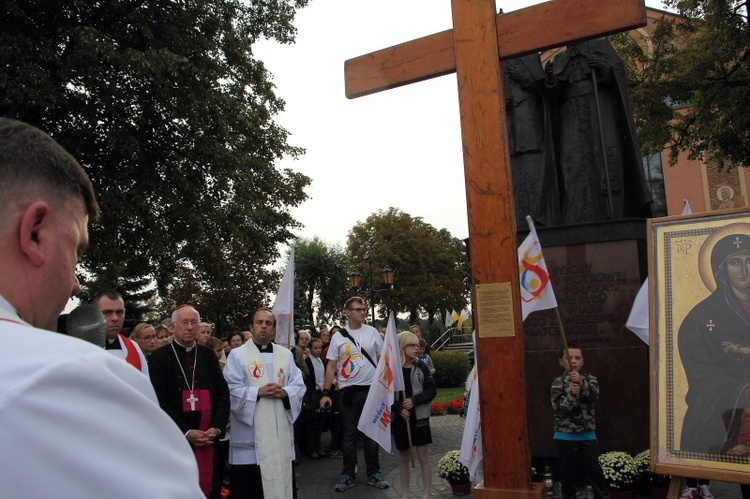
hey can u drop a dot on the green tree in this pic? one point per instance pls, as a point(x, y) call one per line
point(321, 281)
point(698, 60)
point(165, 105)
point(431, 265)
point(226, 292)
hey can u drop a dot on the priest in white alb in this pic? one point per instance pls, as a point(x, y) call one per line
point(266, 389)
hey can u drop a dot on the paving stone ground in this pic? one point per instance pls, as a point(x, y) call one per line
point(316, 478)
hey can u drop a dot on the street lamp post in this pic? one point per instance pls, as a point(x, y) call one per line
point(386, 274)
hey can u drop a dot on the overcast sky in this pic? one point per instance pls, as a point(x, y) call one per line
point(398, 148)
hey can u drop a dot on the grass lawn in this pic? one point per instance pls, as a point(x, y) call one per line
point(449, 394)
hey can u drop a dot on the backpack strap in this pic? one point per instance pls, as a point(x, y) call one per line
point(361, 349)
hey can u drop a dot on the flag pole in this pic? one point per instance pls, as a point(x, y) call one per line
point(289, 336)
point(562, 335)
point(408, 432)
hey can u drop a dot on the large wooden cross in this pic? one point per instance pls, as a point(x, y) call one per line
point(480, 38)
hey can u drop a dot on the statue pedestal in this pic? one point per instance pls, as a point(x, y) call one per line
point(596, 271)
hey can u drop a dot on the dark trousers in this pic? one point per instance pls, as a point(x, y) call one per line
point(217, 478)
point(313, 433)
point(580, 459)
point(335, 425)
point(247, 484)
point(351, 408)
point(694, 482)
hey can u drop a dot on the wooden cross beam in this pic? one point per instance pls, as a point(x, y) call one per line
point(473, 49)
point(534, 29)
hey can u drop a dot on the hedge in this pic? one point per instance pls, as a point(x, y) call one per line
point(451, 368)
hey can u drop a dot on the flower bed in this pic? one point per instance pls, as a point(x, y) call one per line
point(442, 408)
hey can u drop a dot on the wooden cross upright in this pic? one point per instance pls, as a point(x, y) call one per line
point(480, 38)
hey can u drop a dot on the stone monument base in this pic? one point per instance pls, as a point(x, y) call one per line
point(596, 271)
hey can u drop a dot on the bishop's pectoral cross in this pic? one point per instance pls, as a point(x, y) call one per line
point(480, 38)
point(192, 399)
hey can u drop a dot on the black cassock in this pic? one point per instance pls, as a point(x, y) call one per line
point(173, 381)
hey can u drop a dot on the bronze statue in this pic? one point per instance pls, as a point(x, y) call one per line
point(532, 158)
point(594, 127)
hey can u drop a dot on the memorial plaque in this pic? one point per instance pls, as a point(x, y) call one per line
point(495, 310)
point(596, 276)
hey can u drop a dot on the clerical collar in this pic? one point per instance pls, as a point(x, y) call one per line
point(187, 349)
point(113, 344)
point(265, 348)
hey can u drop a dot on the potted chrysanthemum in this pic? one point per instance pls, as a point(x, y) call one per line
point(656, 483)
point(619, 469)
point(643, 465)
point(455, 473)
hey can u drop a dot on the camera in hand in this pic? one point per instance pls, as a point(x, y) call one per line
point(326, 409)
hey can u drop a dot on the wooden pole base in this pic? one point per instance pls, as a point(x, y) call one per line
point(675, 485)
point(537, 491)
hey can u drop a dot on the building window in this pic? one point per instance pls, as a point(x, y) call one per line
point(652, 167)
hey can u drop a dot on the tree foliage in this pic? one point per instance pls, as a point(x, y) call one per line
point(166, 107)
point(431, 266)
point(698, 60)
point(321, 281)
point(138, 294)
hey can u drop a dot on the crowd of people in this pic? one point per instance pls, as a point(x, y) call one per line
point(184, 374)
point(169, 351)
point(329, 366)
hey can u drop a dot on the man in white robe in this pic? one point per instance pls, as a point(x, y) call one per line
point(74, 420)
point(266, 389)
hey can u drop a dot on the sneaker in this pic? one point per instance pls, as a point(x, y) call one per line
point(336, 454)
point(377, 480)
point(689, 493)
point(344, 484)
point(705, 492)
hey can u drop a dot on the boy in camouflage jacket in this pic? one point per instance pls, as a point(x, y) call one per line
point(573, 397)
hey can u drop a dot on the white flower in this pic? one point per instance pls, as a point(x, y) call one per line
point(643, 461)
point(619, 469)
point(451, 469)
point(645, 476)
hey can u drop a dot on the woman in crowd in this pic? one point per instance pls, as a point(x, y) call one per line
point(145, 335)
point(216, 345)
point(235, 339)
point(300, 351)
point(301, 426)
point(163, 335)
point(325, 338)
